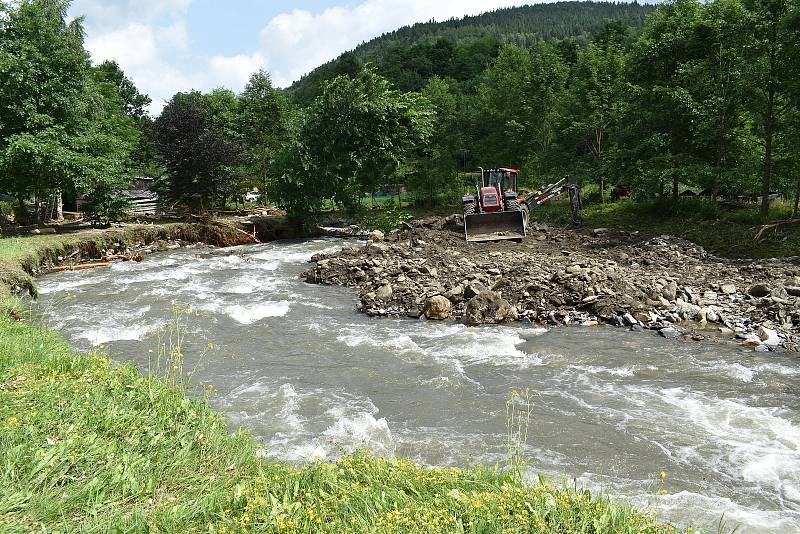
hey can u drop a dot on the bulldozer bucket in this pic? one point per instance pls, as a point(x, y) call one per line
point(495, 226)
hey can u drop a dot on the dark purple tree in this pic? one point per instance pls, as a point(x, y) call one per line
point(199, 157)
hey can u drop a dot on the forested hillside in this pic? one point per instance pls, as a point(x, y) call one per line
point(461, 48)
point(702, 99)
point(522, 26)
point(684, 98)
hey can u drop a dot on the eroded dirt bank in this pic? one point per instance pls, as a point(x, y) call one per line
point(558, 276)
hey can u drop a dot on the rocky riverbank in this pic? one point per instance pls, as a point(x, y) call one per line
point(562, 277)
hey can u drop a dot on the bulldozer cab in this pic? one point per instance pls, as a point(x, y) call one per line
point(505, 179)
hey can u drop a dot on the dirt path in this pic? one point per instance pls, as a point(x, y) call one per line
point(560, 276)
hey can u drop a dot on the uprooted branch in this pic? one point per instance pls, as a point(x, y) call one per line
point(774, 225)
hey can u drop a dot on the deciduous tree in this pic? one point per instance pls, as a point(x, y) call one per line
point(262, 123)
point(192, 142)
point(354, 136)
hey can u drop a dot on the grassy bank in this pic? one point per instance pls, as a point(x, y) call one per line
point(726, 231)
point(19, 256)
point(89, 446)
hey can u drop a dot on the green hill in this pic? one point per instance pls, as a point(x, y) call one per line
point(461, 48)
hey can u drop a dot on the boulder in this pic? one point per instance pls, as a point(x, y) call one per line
point(456, 293)
point(473, 289)
point(438, 307)
point(670, 291)
point(376, 235)
point(500, 284)
point(728, 289)
point(490, 308)
point(793, 290)
point(751, 342)
point(384, 292)
point(759, 290)
point(779, 292)
point(430, 271)
point(769, 337)
point(687, 310)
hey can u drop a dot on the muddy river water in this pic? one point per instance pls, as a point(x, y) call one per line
point(310, 377)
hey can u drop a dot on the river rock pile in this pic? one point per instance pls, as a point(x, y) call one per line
point(563, 277)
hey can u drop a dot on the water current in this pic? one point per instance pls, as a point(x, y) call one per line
point(310, 377)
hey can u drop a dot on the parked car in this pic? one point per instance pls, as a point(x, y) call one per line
point(252, 196)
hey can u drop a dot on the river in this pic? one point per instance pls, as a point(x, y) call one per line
point(311, 377)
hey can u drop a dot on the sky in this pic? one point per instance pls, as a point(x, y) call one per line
point(167, 46)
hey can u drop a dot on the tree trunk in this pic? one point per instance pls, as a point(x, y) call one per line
point(715, 187)
point(602, 190)
point(23, 209)
point(796, 198)
point(769, 134)
point(675, 187)
point(59, 207)
point(661, 190)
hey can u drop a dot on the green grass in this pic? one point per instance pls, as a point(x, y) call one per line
point(723, 231)
point(87, 445)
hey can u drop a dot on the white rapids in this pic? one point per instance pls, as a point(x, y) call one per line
point(311, 378)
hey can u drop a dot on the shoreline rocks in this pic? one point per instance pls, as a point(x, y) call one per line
point(565, 277)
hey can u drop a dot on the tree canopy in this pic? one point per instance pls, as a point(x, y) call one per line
point(62, 129)
point(686, 95)
point(357, 133)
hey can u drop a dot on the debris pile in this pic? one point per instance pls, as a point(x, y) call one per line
point(562, 277)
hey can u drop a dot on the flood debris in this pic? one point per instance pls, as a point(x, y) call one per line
point(563, 277)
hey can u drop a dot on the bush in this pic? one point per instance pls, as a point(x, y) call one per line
point(386, 219)
point(106, 205)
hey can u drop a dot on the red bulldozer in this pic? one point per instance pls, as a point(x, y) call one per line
point(496, 211)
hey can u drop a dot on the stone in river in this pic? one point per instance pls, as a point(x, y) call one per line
point(490, 308)
point(669, 332)
point(769, 337)
point(473, 289)
point(438, 307)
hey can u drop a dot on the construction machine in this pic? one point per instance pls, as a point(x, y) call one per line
point(493, 212)
point(496, 211)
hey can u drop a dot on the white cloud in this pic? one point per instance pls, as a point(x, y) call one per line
point(175, 36)
point(295, 43)
point(141, 51)
point(144, 37)
point(151, 41)
point(234, 71)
